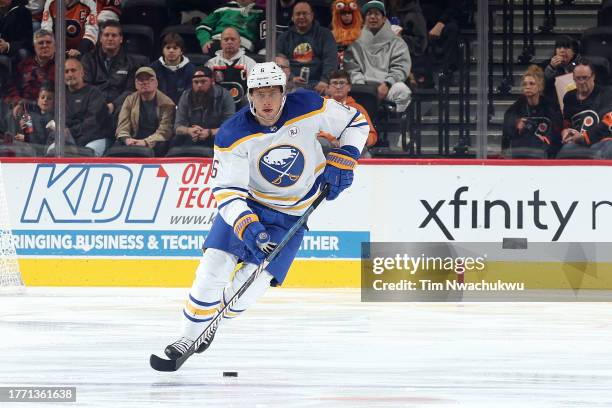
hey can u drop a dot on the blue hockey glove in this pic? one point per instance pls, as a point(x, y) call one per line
point(338, 172)
point(254, 235)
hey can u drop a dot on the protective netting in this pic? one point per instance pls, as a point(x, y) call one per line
point(9, 267)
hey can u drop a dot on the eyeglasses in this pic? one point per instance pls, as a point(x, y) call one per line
point(582, 78)
point(284, 66)
point(338, 84)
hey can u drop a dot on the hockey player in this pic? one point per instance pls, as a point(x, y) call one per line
point(268, 168)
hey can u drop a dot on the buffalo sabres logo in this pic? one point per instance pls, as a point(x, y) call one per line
point(282, 165)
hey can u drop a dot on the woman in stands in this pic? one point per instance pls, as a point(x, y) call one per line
point(533, 121)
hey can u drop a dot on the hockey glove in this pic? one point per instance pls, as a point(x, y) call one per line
point(338, 172)
point(254, 235)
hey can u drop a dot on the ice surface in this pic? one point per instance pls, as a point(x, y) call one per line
point(309, 348)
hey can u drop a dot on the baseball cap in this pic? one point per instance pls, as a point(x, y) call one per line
point(202, 72)
point(146, 70)
point(374, 4)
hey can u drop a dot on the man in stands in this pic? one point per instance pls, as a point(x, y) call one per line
point(147, 115)
point(339, 88)
point(86, 113)
point(81, 24)
point(587, 113)
point(283, 62)
point(381, 57)
point(110, 68)
point(231, 66)
point(201, 111)
point(15, 29)
point(243, 15)
point(33, 71)
point(311, 49)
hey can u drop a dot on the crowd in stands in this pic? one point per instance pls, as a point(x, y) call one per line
point(120, 102)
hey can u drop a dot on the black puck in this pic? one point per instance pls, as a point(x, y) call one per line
point(230, 373)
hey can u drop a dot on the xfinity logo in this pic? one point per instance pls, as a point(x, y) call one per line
point(88, 193)
point(514, 214)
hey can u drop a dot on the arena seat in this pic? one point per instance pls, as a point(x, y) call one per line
point(129, 151)
point(597, 41)
point(187, 33)
point(139, 39)
point(153, 13)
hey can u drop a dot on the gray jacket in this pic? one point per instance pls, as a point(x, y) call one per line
point(189, 114)
point(383, 57)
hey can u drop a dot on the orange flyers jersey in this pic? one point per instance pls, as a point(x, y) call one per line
point(81, 21)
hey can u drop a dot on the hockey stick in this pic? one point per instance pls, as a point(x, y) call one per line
point(162, 364)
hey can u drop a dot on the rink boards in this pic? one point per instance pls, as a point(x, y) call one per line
point(134, 222)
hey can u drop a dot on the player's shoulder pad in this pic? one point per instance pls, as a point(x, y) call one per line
point(302, 102)
point(235, 128)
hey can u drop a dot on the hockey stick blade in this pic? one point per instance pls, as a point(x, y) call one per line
point(162, 364)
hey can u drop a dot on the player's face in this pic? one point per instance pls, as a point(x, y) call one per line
point(172, 53)
point(530, 86)
point(230, 41)
point(339, 88)
point(584, 79)
point(267, 103)
point(44, 47)
point(111, 39)
point(374, 19)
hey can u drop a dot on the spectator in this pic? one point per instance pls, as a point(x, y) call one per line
point(202, 110)
point(28, 122)
point(110, 68)
point(108, 10)
point(173, 69)
point(36, 9)
point(561, 63)
point(81, 24)
point(147, 115)
point(311, 49)
point(340, 86)
point(587, 113)
point(231, 66)
point(284, 11)
point(15, 29)
point(283, 62)
point(243, 15)
point(33, 71)
point(414, 33)
point(346, 25)
point(381, 57)
point(533, 121)
point(442, 17)
point(86, 113)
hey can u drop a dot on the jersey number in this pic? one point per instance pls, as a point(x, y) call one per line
point(213, 171)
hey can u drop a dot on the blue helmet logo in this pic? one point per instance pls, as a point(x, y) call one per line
point(282, 165)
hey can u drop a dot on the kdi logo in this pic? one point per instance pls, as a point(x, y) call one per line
point(87, 193)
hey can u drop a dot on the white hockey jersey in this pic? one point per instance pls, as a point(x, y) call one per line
point(280, 166)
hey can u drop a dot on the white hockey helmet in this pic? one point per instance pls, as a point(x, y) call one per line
point(266, 74)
